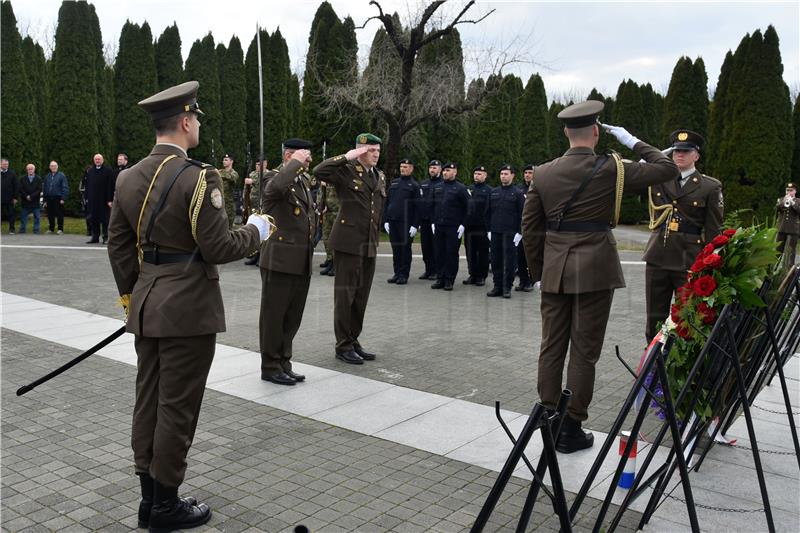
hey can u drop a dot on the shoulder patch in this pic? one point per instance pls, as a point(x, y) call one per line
point(197, 163)
point(216, 198)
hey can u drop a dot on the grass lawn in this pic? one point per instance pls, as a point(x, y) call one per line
point(72, 225)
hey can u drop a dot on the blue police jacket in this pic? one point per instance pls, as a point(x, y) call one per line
point(402, 201)
point(450, 204)
point(504, 209)
point(476, 216)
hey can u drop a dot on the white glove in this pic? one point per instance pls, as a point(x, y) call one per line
point(386, 226)
point(460, 231)
point(262, 224)
point(668, 151)
point(622, 135)
point(489, 235)
point(537, 285)
point(433, 228)
point(517, 238)
point(412, 231)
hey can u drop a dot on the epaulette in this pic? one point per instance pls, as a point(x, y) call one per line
point(197, 163)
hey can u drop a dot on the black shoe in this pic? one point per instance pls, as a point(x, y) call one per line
point(105, 240)
point(507, 294)
point(92, 241)
point(469, 281)
point(424, 276)
point(324, 271)
point(363, 354)
point(496, 291)
point(279, 378)
point(438, 284)
point(170, 512)
point(401, 281)
point(393, 279)
point(326, 264)
point(146, 504)
point(479, 283)
point(331, 272)
point(448, 285)
point(528, 287)
point(572, 438)
point(350, 357)
point(295, 376)
point(252, 260)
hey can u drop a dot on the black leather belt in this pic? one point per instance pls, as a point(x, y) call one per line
point(154, 257)
point(591, 227)
point(685, 227)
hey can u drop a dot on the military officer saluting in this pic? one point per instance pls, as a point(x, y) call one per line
point(168, 232)
point(425, 214)
point(788, 209)
point(286, 261)
point(476, 241)
point(450, 205)
point(504, 213)
point(566, 227)
point(685, 213)
point(361, 189)
point(400, 220)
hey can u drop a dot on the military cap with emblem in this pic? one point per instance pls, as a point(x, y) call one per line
point(791, 185)
point(509, 167)
point(368, 138)
point(686, 140)
point(434, 163)
point(581, 114)
point(406, 161)
point(229, 156)
point(450, 164)
point(529, 166)
point(297, 144)
point(480, 168)
point(173, 101)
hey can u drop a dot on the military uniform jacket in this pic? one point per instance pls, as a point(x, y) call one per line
point(698, 203)
point(401, 201)
point(578, 262)
point(450, 204)
point(287, 198)
point(179, 299)
point(479, 197)
point(425, 206)
point(788, 217)
point(504, 209)
point(361, 197)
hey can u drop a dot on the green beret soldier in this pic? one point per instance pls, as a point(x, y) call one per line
point(788, 208)
point(230, 182)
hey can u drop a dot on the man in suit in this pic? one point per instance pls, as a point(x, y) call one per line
point(361, 190)
point(400, 220)
point(99, 195)
point(450, 205)
point(566, 225)
point(167, 233)
point(285, 261)
point(476, 241)
point(788, 209)
point(685, 214)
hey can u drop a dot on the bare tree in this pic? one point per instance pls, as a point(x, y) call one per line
point(405, 85)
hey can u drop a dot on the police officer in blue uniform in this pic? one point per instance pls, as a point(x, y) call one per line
point(450, 205)
point(425, 214)
point(525, 283)
point(400, 220)
point(475, 240)
point(504, 215)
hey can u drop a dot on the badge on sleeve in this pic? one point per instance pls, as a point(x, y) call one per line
point(721, 201)
point(216, 198)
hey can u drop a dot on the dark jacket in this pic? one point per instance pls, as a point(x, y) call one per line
point(10, 186)
point(425, 205)
point(402, 200)
point(30, 188)
point(479, 197)
point(56, 186)
point(450, 204)
point(98, 189)
point(504, 209)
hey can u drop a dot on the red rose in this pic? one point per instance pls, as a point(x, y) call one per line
point(720, 240)
point(704, 286)
point(682, 330)
point(729, 232)
point(707, 249)
point(712, 261)
point(697, 266)
point(684, 293)
point(674, 313)
point(707, 314)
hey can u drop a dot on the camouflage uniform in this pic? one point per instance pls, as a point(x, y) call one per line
point(332, 204)
point(230, 180)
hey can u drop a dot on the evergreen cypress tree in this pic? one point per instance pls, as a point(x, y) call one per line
point(719, 112)
point(533, 122)
point(795, 173)
point(35, 69)
point(135, 79)
point(489, 136)
point(293, 107)
point(251, 85)
point(629, 113)
point(557, 141)
point(169, 62)
point(201, 65)
point(18, 108)
point(233, 95)
point(512, 90)
point(105, 91)
point(652, 128)
point(686, 103)
point(276, 88)
point(606, 117)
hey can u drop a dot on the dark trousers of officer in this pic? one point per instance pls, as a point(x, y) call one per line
point(660, 284)
point(55, 213)
point(351, 288)
point(170, 382)
point(504, 260)
point(283, 299)
point(785, 240)
point(447, 243)
point(401, 248)
point(576, 322)
point(9, 213)
point(99, 223)
point(426, 238)
point(522, 267)
point(477, 245)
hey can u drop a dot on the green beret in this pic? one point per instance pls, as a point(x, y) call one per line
point(367, 138)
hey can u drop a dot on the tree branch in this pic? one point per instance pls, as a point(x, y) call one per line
point(388, 25)
point(456, 21)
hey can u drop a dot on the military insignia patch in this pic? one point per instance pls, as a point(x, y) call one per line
point(216, 199)
point(296, 211)
point(682, 136)
point(721, 201)
point(362, 139)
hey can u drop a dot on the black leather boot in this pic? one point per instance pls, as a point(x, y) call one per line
point(572, 438)
point(170, 513)
point(147, 499)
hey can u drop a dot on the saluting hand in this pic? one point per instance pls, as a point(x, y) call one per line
point(304, 156)
point(355, 153)
point(622, 135)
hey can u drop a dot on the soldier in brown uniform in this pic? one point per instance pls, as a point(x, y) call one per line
point(788, 209)
point(361, 189)
point(566, 227)
point(168, 230)
point(685, 213)
point(286, 261)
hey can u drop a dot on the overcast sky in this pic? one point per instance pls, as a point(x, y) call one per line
point(574, 45)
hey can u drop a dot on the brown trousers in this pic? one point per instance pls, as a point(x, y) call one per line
point(351, 288)
point(283, 299)
point(170, 383)
point(660, 285)
point(788, 241)
point(577, 322)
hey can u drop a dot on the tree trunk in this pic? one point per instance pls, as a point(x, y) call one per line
point(392, 154)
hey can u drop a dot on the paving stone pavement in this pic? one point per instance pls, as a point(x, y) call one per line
point(67, 463)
